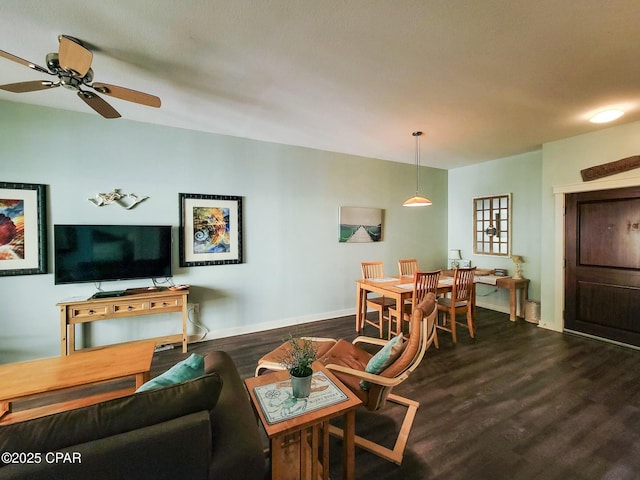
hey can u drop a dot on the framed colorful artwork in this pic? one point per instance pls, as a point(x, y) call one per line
point(210, 229)
point(23, 229)
point(360, 225)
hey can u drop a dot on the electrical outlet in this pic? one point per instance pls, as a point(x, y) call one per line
point(196, 308)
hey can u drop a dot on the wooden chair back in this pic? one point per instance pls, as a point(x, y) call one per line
point(462, 289)
point(423, 283)
point(372, 270)
point(407, 266)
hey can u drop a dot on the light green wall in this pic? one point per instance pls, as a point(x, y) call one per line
point(295, 270)
point(537, 229)
point(562, 162)
point(521, 176)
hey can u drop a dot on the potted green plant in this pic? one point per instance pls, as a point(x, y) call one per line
point(301, 353)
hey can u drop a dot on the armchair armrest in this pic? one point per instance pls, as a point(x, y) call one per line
point(370, 340)
point(320, 339)
point(369, 377)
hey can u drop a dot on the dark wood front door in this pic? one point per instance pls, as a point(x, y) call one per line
point(602, 254)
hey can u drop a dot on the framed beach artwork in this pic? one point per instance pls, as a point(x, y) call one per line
point(210, 229)
point(23, 229)
point(360, 225)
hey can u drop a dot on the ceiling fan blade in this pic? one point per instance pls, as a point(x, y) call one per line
point(24, 62)
point(127, 94)
point(73, 56)
point(98, 104)
point(22, 87)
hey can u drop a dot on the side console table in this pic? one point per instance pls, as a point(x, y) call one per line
point(518, 287)
point(138, 302)
point(518, 290)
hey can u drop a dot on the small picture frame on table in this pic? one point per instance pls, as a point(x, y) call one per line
point(465, 263)
point(210, 229)
point(23, 229)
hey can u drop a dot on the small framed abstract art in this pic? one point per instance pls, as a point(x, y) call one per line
point(360, 225)
point(210, 230)
point(23, 229)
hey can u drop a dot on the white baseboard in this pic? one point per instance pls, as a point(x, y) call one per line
point(493, 306)
point(286, 322)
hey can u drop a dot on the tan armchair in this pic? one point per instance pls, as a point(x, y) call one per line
point(348, 362)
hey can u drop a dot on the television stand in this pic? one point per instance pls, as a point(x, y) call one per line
point(150, 302)
point(110, 293)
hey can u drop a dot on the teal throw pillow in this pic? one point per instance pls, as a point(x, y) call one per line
point(385, 357)
point(187, 369)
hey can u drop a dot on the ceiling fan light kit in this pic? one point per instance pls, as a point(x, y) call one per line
point(72, 66)
point(417, 200)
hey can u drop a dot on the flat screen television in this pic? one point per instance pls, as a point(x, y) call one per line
point(98, 253)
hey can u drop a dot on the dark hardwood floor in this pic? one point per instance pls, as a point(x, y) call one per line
point(518, 402)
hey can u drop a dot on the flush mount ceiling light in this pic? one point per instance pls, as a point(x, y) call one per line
point(606, 116)
point(417, 201)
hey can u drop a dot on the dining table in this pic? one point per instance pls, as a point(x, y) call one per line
point(398, 288)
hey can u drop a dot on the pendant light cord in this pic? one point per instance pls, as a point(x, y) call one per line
point(417, 200)
point(417, 135)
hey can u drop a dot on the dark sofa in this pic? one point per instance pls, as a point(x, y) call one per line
point(200, 429)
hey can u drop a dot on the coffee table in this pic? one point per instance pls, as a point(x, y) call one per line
point(25, 380)
point(300, 441)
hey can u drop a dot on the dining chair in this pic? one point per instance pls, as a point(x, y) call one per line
point(460, 301)
point(380, 304)
point(407, 266)
point(352, 365)
point(423, 283)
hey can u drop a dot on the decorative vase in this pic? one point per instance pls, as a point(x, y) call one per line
point(301, 386)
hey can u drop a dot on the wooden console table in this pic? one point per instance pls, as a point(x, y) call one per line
point(515, 285)
point(140, 302)
point(518, 290)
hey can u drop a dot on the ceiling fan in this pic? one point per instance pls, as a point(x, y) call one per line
point(72, 66)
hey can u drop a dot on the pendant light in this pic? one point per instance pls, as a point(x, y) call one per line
point(417, 201)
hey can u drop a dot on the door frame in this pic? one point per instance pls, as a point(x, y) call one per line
point(559, 241)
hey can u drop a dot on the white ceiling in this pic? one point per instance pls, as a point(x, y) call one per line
point(483, 79)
